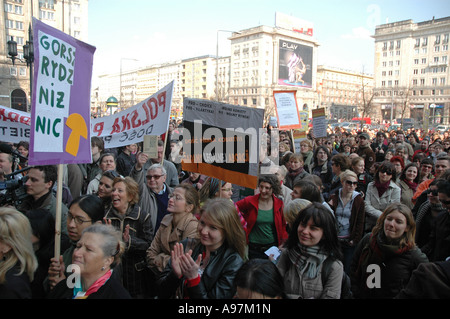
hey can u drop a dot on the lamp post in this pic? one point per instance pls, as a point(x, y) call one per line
point(28, 55)
point(120, 78)
point(217, 60)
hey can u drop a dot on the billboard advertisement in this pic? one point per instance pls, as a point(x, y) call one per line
point(295, 64)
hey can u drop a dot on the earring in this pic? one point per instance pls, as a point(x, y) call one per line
point(103, 268)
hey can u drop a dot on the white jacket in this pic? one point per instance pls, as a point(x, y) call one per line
point(375, 205)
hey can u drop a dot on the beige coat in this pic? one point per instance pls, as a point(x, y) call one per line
point(158, 254)
point(406, 194)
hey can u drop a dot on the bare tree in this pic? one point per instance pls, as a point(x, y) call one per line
point(365, 102)
point(403, 98)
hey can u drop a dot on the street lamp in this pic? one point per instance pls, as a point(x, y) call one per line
point(28, 55)
point(217, 60)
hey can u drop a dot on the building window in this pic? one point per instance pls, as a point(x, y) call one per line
point(13, 71)
point(438, 39)
point(425, 41)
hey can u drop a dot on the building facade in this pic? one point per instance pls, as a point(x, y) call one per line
point(266, 59)
point(343, 92)
point(411, 71)
point(70, 16)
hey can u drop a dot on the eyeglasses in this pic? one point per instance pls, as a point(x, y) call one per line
point(155, 177)
point(78, 219)
point(350, 183)
point(387, 171)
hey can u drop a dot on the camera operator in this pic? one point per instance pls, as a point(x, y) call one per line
point(39, 184)
point(6, 166)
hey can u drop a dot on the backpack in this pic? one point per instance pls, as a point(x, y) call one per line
point(346, 291)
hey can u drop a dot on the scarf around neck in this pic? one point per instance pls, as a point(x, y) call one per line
point(381, 187)
point(295, 172)
point(307, 259)
point(78, 293)
point(411, 184)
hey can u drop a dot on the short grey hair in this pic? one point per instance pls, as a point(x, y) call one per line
point(157, 166)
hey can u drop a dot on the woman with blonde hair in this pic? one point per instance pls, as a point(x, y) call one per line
point(17, 259)
point(348, 207)
point(205, 268)
point(389, 249)
point(292, 209)
point(178, 224)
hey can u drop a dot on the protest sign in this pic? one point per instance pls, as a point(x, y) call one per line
point(319, 123)
point(14, 125)
point(286, 110)
point(60, 113)
point(222, 141)
point(149, 117)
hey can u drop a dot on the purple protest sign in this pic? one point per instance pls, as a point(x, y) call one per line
point(60, 112)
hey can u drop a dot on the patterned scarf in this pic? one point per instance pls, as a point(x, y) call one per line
point(307, 259)
point(295, 172)
point(78, 293)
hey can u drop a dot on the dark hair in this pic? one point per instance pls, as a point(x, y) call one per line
point(98, 141)
point(323, 148)
point(272, 179)
point(428, 161)
point(386, 166)
point(261, 276)
point(42, 224)
point(92, 205)
point(444, 187)
point(403, 174)
point(322, 218)
point(50, 173)
point(310, 191)
point(342, 161)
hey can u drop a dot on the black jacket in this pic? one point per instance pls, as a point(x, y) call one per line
point(112, 289)
point(217, 280)
point(395, 271)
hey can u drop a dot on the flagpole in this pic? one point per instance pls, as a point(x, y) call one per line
point(58, 212)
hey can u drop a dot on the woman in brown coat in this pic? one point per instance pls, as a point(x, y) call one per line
point(179, 224)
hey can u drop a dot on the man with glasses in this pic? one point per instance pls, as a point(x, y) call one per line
point(154, 192)
point(171, 170)
point(442, 164)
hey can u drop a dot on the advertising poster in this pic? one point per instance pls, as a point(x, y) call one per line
point(222, 141)
point(60, 113)
point(295, 64)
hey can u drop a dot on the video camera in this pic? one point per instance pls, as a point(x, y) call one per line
point(16, 190)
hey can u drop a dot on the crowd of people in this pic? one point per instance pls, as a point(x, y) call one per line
point(357, 215)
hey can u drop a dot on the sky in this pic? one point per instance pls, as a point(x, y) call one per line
point(153, 32)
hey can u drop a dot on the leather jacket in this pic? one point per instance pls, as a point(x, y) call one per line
point(217, 280)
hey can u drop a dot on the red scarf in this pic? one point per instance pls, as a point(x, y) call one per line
point(382, 187)
point(411, 184)
point(94, 287)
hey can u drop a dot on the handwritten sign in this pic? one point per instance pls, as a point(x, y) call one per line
point(287, 110)
point(149, 117)
point(60, 117)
